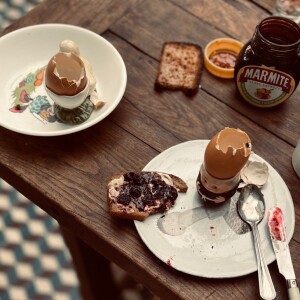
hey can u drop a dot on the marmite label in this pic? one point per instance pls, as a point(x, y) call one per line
point(263, 86)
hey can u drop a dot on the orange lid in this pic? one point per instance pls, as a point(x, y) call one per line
point(225, 45)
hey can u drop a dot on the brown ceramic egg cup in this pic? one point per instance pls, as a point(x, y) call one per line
point(216, 197)
point(210, 198)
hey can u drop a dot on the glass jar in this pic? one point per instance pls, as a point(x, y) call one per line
point(267, 70)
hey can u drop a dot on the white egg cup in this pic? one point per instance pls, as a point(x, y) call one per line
point(69, 102)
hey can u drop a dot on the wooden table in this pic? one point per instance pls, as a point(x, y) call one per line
point(67, 175)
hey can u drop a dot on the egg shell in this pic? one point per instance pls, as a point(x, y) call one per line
point(255, 172)
point(227, 153)
point(65, 74)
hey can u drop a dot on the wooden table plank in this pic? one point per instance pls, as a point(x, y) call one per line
point(202, 123)
point(140, 27)
point(267, 4)
point(67, 175)
point(93, 14)
point(73, 174)
point(229, 17)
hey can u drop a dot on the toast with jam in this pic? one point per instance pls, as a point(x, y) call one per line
point(180, 67)
point(137, 195)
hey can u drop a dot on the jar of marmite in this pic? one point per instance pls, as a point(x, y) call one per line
point(267, 70)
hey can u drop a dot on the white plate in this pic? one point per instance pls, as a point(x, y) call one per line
point(209, 247)
point(25, 50)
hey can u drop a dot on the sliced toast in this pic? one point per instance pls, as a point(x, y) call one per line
point(137, 195)
point(180, 67)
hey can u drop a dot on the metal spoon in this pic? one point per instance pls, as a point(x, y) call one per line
point(251, 207)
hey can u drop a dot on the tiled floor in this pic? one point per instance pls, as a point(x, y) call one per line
point(34, 261)
point(11, 10)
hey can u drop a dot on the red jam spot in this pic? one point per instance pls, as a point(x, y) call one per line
point(276, 223)
point(211, 230)
point(169, 261)
point(223, 58)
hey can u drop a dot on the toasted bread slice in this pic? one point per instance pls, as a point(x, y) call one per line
point(137, 195)
point(180, 67)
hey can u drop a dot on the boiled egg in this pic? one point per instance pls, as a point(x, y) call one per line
point(227, 153)
point(65, 74)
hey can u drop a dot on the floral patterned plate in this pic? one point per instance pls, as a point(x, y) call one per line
point(25, 106)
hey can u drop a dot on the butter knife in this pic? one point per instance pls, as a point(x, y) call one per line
point(282, 251)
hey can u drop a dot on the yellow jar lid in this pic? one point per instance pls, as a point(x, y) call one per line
point(221, 45)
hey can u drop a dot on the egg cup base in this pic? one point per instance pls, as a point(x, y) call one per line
point(214, 199)
point(76, 115)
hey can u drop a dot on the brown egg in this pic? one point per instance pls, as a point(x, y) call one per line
point(65, 74)
point(227, 153)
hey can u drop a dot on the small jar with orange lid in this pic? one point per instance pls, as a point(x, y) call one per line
point(220, 56)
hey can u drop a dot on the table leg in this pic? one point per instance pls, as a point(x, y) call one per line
point(92, 268)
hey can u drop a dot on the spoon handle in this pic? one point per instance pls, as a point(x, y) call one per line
point(266, 287)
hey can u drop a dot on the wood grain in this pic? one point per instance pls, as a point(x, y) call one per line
point(237, 19)
point(266, 4)
point(170, 110)
point(93, 14)
point(139, 28)
point(66, 176)
point(74, 174)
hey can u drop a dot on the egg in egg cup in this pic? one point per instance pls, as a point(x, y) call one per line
point(225, 155)
point(67, 85)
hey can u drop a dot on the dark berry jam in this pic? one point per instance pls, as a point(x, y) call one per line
point(146, 189)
